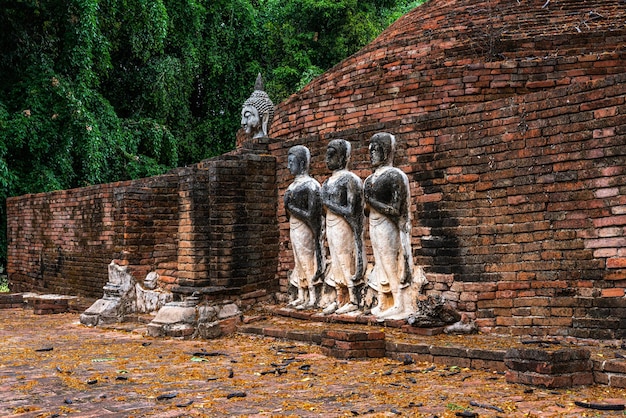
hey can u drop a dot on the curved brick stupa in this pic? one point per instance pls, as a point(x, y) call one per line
point(510, 118)
point(448, 53)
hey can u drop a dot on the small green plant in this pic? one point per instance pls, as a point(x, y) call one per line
point(454, 407)
point(4, 281)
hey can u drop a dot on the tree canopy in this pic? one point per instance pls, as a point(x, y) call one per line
point(97, 91)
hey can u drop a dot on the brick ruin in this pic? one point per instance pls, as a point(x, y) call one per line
point(510, 118)
point(210, 228)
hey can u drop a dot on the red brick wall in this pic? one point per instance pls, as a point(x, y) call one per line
point(511, 124)
point(519, 206)
point(50, 234)
point(204, 228)
point(450, 53)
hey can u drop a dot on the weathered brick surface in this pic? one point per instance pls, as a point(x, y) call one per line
point(351, 336)
point(345, 343)
point(450, 53)
point(550, 368)
point(511, 126)
point(11, 300)
point(550, 381)
point(201, 228)
point(510, 119)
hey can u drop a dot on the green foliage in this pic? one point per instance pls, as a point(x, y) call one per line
point(96, 91)
point(307, 37)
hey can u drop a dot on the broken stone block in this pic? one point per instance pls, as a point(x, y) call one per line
point(124, 296)
point(151, 300)
point(175, 319)
point(207, 313)
point(228, 311)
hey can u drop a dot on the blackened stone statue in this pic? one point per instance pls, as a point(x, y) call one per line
point(257, 112)
point(342, 196)
point(304, 210)
point(387, 197)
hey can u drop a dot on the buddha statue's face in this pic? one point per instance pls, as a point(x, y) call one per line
point(382, 149)
point(377, 153)
point(250, 121)
point(293, 164)
point(335, 160)
point(296, 163)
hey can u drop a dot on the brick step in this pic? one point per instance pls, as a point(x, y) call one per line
point(11, 300)
point(48, 304)
point(555, 366)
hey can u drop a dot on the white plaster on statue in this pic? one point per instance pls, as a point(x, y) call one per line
point(342, 196)
point(303, 246)
point(304, 209)
point(394, 277)
point(342, 252)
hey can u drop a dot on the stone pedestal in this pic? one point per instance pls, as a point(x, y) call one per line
point(189, 319)
point(175, 319)
point(124, 296)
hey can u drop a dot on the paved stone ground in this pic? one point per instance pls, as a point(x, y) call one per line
point(51, 365)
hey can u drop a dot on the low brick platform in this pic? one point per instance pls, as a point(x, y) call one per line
point(611, 372)
point(11, 300)
point(556, 365)
point(474, 358)
point(352, 318)
point(551, 369)
point(49, 304)
point(345, 344)
point(46, 303)
point(352, 344)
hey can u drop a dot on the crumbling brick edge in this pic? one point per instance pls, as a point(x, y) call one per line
point(554, 367)
point(550, 368)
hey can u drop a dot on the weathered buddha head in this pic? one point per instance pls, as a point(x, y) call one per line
point(338, 154)
point(298, 160)
point(382, 147)
point(257, 112)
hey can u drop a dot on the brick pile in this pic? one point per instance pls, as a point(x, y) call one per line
point(11, 300)
point(49, 304)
